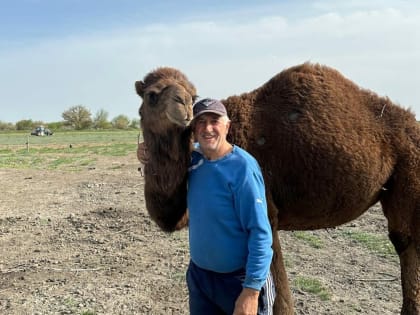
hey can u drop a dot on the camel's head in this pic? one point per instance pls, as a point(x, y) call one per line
point(168, 97)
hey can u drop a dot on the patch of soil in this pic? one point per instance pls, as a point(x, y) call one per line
point(74, 243)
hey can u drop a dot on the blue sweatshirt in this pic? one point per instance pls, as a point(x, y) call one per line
point(228, 222)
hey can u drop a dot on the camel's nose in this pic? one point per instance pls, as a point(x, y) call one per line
point(188, 115)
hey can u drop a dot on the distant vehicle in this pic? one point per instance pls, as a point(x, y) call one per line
point(41, 131)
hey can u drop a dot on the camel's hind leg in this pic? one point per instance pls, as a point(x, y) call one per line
point(401, 205)
point(283, 304)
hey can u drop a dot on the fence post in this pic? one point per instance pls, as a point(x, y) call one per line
point(27, 144)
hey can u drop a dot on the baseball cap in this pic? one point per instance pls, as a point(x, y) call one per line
point(209, 105)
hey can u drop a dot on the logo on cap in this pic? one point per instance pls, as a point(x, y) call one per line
point(206, 102)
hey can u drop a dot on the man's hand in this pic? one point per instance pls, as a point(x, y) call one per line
point(247, 302)
point(142, 154)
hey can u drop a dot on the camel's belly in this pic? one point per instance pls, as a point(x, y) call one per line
point(316, 219)
point(320, 213)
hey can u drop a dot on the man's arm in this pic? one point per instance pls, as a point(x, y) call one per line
point(142, 154)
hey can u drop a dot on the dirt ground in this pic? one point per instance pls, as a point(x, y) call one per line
point(82, 243)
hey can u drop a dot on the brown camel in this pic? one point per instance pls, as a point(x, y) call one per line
point(328, 149)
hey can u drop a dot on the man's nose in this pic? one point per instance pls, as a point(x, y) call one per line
point(208, 126)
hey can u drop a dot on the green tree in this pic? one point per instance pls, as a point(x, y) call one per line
point(37, 123)
point(55, 125)
point(135, 123)
point(25, 124)
point(100, 121)
point(6, 126)
point(79, 117)
point(121, 122)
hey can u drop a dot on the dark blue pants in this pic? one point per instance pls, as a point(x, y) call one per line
point(213, 293)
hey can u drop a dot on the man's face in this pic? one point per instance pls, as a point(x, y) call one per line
point(210, 130)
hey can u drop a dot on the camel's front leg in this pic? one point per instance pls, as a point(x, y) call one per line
point(409, 251)
point(283, 304)
point(404, 225)
point(410, 277)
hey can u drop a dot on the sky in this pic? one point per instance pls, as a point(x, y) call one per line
point(59, 54)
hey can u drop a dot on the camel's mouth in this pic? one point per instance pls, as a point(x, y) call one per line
point(185, 122)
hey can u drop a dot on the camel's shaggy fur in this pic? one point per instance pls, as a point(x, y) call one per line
point(328, 150)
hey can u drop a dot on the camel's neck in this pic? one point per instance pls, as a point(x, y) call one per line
point(240, 111)
point(169, 158)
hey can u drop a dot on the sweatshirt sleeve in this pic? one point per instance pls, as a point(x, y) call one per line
point(251, 205)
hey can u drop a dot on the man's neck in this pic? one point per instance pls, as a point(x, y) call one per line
point(225, 149)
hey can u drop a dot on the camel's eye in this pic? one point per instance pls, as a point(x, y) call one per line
point(152, 98)
point(194, 98)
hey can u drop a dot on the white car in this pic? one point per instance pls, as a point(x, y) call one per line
point(41, 131)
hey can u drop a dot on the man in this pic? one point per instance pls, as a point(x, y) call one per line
point(229, 231)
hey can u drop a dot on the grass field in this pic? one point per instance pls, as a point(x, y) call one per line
point(64, 150)
point(77, 239)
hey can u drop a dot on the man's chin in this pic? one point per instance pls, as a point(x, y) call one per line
point(207, 149)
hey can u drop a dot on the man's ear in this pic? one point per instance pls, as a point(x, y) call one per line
point(227, 126)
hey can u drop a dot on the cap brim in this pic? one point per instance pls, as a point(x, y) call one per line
point(208, 111)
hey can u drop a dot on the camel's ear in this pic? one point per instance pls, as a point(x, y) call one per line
point(140, 88)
